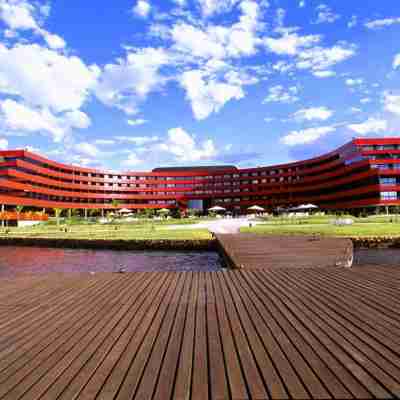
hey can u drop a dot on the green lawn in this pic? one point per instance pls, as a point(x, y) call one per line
point(357, 229)
point(99, 231)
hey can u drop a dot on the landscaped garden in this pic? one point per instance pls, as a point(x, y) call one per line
point(146, 230)
point(377, 225)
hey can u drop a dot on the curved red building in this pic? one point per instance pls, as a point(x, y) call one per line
point(362, 173)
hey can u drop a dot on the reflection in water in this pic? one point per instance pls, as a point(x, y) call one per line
point(377, 256)
point(16, 260)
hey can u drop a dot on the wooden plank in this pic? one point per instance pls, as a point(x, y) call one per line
point(200, 384)
point(314, 336)
point(114, 363)
point(184, 373)
point(348, 354)
point(254, 381)
point(85, 357)
point(297, 251)
point(42, 365)
point(140, 348)
point(275, 333)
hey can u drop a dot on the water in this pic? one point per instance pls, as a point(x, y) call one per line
point(377, 257)
point(15, 261)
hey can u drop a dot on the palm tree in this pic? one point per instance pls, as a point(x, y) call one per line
point(19, 209)
point(57, 214)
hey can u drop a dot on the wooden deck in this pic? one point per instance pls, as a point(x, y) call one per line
point(252, 251)
point(243, 334)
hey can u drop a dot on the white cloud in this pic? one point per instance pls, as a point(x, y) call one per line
point(3, 144)
point(371, 125)
point(18, 14)
point(324, 74)
point(49, 79)
point(320, 58)
point(278, 94)
point(217, 41)
point(132, 161)
point(183, 147)
point(306, 136)
point(290, 44)
point(354, 82)
point(105, 142)
point(325, 15)
point(199, 43)
point(391, 103)
point(87, 149)
point(137, 140)
point(208, 96)
point(54, 41)
point(381, 23)
point(20, 119)
point(136, 122)
point(313, 113)
point(353, 21)
point(142, 8)
point(355, 110)
point(129, 81)
point(365, 100)
point(210, 7)
point(24, 15)
point(396, 61)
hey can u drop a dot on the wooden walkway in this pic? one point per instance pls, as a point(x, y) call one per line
point(243, 334)
point(252, 251)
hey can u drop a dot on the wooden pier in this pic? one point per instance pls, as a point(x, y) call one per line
point(235, 334)
point(252, 251)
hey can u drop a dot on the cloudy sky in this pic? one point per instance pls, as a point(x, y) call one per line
point(145, 83)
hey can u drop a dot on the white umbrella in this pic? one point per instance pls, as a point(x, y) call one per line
point(306, 207)
point(163, 211)
point(256, 208)
point(124, 211)
point(217, 208)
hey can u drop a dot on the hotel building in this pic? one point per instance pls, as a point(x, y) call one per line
point(361, 173)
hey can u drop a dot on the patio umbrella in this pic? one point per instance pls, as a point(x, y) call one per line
point(163, 211)
point(217, 208)
point(306, 207)
point(256, 208)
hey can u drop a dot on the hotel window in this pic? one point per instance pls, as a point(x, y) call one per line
point(387, 181)
point(388, 195)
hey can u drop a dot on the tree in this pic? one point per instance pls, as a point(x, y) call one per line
point(93, 211)
point(57, 214)
point(19, 209)
point(115, 203)
point(193, 212)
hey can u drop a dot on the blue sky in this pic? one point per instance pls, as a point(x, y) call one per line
point(148, 83)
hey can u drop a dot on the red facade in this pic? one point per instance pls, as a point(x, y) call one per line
point(362, 173)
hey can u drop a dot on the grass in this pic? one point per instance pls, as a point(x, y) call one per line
point(109, 232)
point(361, 228)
